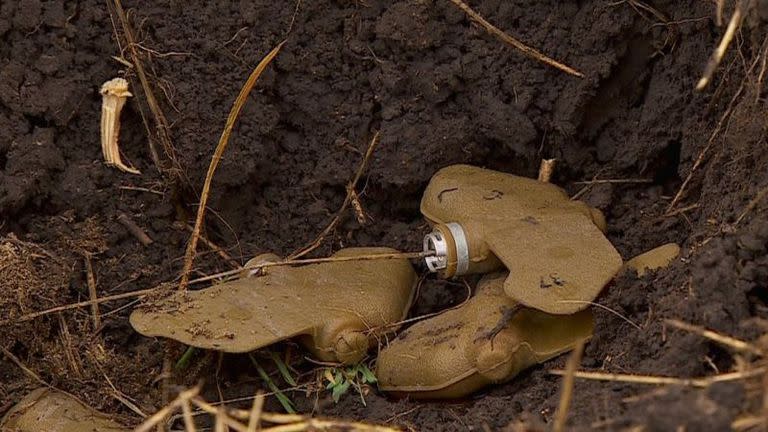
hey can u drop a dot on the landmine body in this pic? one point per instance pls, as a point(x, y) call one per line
point(337, 310)
point(487, 340)
point(554, 248)
point(653, 259)
point(49, 410)
point(558, 261)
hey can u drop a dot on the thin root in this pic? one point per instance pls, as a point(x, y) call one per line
point(722, 48)
point(504, 37)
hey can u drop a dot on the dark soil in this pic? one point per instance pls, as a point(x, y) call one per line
point(440, 91)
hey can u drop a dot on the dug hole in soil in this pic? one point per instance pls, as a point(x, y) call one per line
point(440, 90)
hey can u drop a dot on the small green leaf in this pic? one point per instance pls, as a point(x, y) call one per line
point(283, 368)
point(368, 376)
point(285, 402)
point(185, 359)
point(339, 390)
point(281, 397)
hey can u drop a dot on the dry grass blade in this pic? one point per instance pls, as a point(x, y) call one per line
point(298, 262)
point(721, 49)
point(719, 12)
point(748, 423)
point(216, 248)
point(660, 380)
point(752, 204)
point(156, 418)
point(329, 425)
point(230, 418)
point(27, 371)
point(78, 305)
point(736, 344)
point(613, 181)
point(189, 256)
point(92, 292)
point(222, 419)
point(255, 417)
point(680, 211)
point(525, 49)
point(700, 158)
point(347, 200)
point(189, 422)
point(605, 308)
point(546, 169)
point(567, 388)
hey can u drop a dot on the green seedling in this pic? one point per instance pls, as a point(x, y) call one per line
point(185, 359)
point(341, 379)
point(283, 368)
point(284, 400)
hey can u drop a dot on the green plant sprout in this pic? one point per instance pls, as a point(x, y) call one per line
point(185, 359)
point(341, 379)
point(284, 400)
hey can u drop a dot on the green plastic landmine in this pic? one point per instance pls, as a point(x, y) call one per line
point(653, 259)
point(554, 248)
point(489, 339)
point(337, 310)
point(49, 410)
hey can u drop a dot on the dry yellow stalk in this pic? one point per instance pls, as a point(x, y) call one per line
point(114, 94)
point(546, 168)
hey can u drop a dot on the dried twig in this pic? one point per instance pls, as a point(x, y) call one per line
point(220, 414)
point(613, 181)
point(157, 417)
point(752, 204)
point(731, 342)
point(134, 229)
point(700, 158)
point(719, 12)
point(586, 188)
point(27, 371)
point(721, 49)
point(161, 123)
point(78, 305)
point(748, 422)
point(73, 357)
point(347, 200)
point(504, 37)
point(605, 308)
point(91, 279)
point(358, 207)
point(216, 248)
point(234, 113)
point(659, 380)
point(189, 422)
point(546, 169)
point(298, 262)
point(255, 416)
point(567, 388)
point(681, 210)
point(231, 417)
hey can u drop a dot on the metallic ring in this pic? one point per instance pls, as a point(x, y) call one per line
point(462, 248)
point(435, 244)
